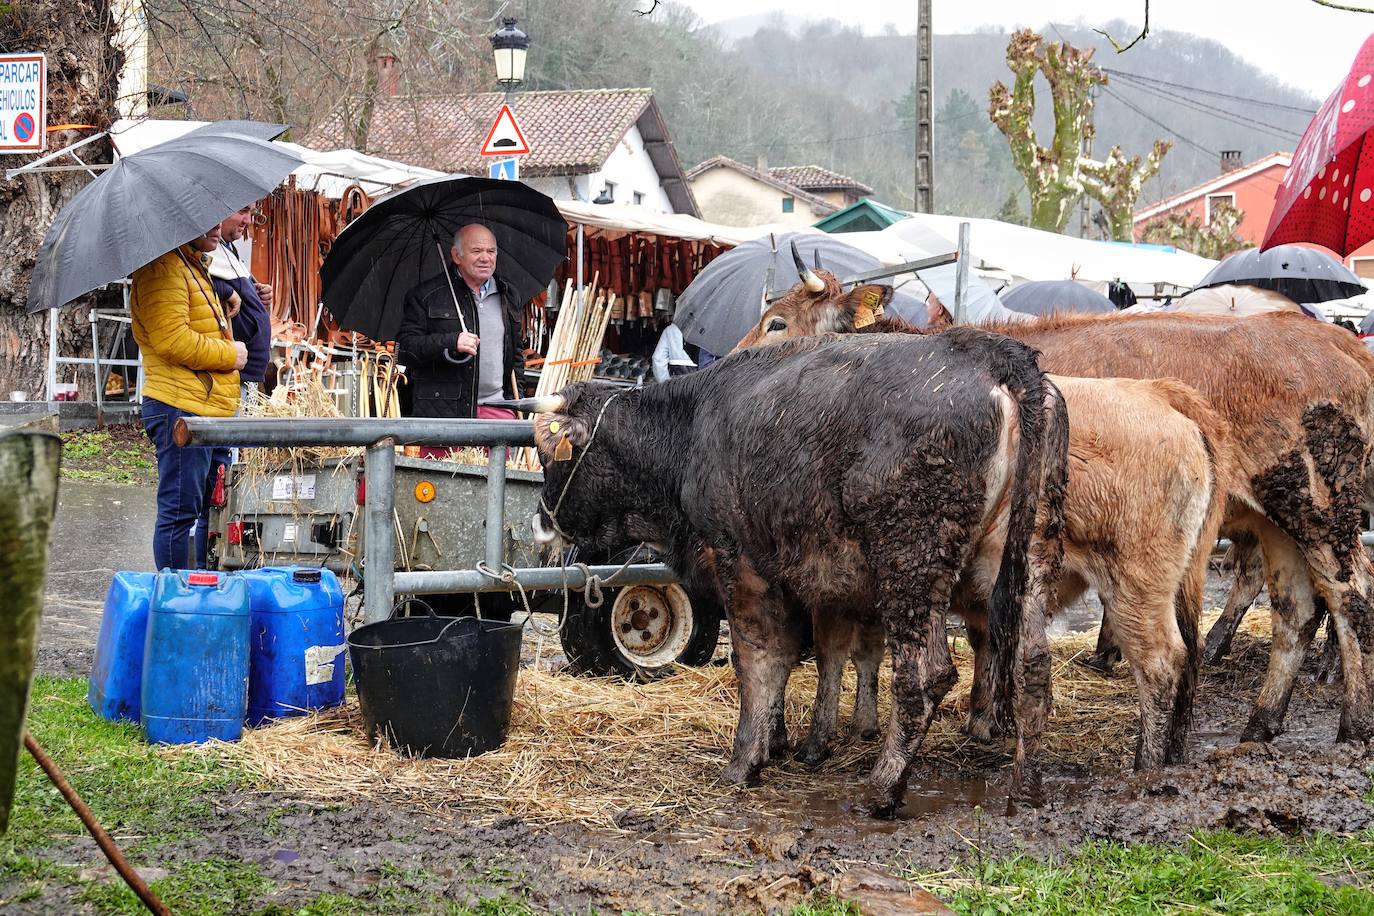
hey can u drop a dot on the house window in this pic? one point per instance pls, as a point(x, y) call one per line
point(639, 197)
point(610, 190)
point(1213, 200)
point(788, 204)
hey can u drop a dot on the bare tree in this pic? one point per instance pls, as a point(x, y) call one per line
point(83, 79)
point(1214, 239)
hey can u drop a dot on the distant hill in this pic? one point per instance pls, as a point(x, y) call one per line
point(836, 67)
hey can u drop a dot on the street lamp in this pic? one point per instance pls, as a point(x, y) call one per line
point(508, 46)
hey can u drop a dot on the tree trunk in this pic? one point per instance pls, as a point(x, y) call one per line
point(83, 80)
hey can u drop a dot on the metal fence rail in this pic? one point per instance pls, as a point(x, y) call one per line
point(380, 437)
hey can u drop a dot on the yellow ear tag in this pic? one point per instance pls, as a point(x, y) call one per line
point(563, 450)
point(870, 309)
point(553, 426)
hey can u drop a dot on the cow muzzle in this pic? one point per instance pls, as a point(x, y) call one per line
point(543, 536)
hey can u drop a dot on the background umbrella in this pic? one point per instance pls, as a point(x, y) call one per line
point(146, 204)
point(1302, 274)
point(1233, 299)
point(1325, 197)
point(1042, 297)
point(379, 256)
point(724, 302)
point(981, 304)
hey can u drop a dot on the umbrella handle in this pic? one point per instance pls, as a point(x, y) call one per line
point(467, 357)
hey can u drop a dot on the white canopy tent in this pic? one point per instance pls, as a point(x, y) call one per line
point(328, 172)
point(1033, 254)
point(615, 220)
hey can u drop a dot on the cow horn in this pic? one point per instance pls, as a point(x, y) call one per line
point(816, 259)
point(548, 403)
point(813, 283)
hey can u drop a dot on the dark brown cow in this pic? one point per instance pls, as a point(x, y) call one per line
point(1296, 395)
point(813, 476)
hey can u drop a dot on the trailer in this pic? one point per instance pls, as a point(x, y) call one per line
point(459, 536)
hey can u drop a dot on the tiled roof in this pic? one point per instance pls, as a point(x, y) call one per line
point(815, 178)
point(817, 204)
point(569, 132)
point(1212, 185)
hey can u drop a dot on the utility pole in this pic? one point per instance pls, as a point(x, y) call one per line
point(1087, 153)
point(925, 160)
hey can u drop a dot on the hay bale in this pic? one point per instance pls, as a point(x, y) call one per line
point(589, 750)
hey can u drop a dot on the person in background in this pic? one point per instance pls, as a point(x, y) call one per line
point(190, 368)
point(670, 356)
point(460, 336)
point(246, 302)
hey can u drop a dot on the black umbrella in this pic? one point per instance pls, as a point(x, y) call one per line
point(1302, 274)
point(148, 203)
point(405, 237)
point(725, 300)
point(1042, 297)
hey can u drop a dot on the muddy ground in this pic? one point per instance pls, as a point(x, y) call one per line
point(1300, 784)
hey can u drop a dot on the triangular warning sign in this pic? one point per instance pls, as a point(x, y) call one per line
point(505, 137)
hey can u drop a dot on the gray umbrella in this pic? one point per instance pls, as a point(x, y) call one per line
point(725, 300)
point(147, 204)
point(1043, 297)
point(1302, 274)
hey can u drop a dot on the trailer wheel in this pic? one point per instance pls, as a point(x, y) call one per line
point(640, 632)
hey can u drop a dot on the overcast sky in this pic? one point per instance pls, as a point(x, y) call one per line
point(1305, 45)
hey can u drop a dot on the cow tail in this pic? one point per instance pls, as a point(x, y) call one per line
point(1043, 428)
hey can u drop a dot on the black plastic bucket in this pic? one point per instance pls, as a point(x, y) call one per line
point(437, 686)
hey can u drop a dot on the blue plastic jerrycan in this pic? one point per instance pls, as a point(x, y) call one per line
point(116, 680)
point(195, 658)
point(296, 642)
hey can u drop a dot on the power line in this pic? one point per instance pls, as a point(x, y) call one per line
point(1107, 90)
point(1224, 114)
point(1212, 92)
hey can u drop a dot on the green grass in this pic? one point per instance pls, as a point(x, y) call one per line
point(1217, 872)
point(102, 456)
point(129, 785)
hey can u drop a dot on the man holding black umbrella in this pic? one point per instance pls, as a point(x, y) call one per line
point(460, 336)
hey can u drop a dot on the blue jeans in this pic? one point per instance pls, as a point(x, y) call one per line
point(181, 474)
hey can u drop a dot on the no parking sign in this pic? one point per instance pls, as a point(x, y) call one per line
point(23, 102)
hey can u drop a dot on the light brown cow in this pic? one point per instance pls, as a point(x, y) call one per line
point(1146, 491)
point(1296, 394)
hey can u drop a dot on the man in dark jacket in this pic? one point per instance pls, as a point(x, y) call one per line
point(460, 335)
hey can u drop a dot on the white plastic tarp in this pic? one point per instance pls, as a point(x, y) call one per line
point(1033, 254)
point(615, 220)
point(329, 172)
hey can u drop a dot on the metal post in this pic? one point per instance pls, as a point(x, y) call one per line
point(496, 507)
point(961, 275)
point(52, 354)
point(580, 230)
point(379, 474)
point(925, 121)
point(95, 365)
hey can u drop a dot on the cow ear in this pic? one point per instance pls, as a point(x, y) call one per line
point(864, 304)
point(556, 434)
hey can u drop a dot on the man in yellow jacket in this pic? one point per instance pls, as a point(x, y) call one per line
point(190, 368)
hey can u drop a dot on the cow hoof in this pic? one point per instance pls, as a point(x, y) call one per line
point(980, 729)
point(740, 774)
point(811, 753)
point(861, 732)
point(1258, 729)
point(778, 748)
point(876, 806)
point(1329, 670)
point(1213, 654)
point(1356, 729)
point(1102, 663)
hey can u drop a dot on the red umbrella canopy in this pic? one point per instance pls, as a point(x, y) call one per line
point(1327, 198)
